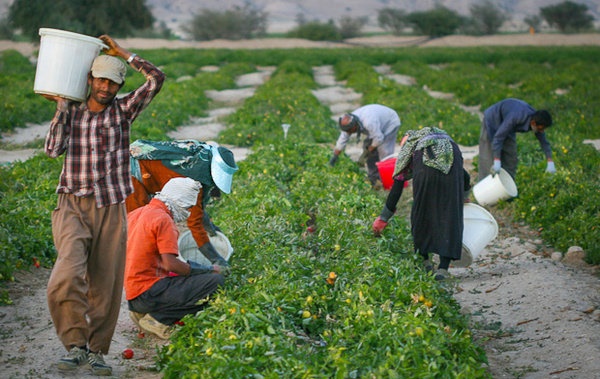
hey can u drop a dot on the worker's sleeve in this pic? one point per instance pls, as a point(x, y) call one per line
point(195, 222)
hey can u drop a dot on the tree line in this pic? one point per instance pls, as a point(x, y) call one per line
point(133, 18)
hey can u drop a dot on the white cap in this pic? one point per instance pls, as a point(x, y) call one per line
point(109, 67)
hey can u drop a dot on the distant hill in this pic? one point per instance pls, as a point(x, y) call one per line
point(283, 13)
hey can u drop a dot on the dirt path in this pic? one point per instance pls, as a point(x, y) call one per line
point(536, 314)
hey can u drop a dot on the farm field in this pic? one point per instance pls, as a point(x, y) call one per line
point(382, 316)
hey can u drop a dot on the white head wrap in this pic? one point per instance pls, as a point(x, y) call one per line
point(179, 194)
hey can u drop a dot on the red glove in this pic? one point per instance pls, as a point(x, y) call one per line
point(378, 226)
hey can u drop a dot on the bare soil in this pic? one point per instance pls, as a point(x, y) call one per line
point(536, 311)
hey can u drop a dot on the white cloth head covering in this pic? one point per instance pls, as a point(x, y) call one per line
point(182, 191)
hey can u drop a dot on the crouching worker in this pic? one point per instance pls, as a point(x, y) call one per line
point(435, 164)
point(154, 163)
point(156, 298)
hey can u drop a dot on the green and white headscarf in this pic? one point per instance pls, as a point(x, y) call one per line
point(439, 154)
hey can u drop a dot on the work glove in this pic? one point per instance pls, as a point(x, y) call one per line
point(496, 167)
point(197, 268)
point(333, 159)
point(550, 168)
point(209, 251)
point(378, 226)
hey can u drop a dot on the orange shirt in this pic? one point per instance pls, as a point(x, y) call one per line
point(151, 232)
point(154, 176)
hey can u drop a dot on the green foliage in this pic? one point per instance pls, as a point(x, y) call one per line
point(279, 316)
point(278, 102)
point(316, 31)
point(27, 197)
point(351, 26)
point(382, 317)
point(568, 16)
point(19, 103)
point(486, 18)
point(119, 18)
point(235, 23)
point(393, 20)
point(437, 22)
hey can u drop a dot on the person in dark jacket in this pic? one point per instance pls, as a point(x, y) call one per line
point(434, 162)
point(497, 140)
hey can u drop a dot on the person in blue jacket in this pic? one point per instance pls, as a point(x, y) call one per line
point(497, 141)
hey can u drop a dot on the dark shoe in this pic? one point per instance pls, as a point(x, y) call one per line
point(441, 275)
point(99, 367)
point(428, 265)
point(76, 356)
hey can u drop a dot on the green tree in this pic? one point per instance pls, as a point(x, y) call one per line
point(114, 17)
point(486, 18)
point(568, 16)
point(235, 23)
point(316, 31)
point(393, 20)
point(438, 22)
point(352, 26)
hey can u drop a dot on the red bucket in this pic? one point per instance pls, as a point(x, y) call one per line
point(386, 170)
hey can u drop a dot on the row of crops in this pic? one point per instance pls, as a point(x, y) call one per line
point(336, 302)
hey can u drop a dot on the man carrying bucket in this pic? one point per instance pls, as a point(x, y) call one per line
point(89, 224)
point(381, 125)
point(497, 140)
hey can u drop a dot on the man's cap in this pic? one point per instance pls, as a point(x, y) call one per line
point(347, 126)
point(182, 191)
point(222, 167)
point(109, 67)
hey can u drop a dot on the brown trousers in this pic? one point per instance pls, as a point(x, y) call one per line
point(85, 287)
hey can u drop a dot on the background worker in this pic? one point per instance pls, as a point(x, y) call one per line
point(157, 299)
point(154, 163)
point(380, 124)
point(434, 162)
point(498, 142)
point(89, 223)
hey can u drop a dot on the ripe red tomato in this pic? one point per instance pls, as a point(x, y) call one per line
point(127, 353)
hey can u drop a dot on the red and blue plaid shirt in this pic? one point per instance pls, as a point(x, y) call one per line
point(96, 145)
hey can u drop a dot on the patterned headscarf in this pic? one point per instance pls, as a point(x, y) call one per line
point(439, 154)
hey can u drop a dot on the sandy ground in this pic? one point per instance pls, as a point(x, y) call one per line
point(536, 313)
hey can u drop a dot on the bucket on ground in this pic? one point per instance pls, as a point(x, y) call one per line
point(64, 61)
point(188, 249)
point(493, 188)
point(480, 228)
point(386, 171)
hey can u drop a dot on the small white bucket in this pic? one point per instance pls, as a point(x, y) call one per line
point(64, 61)
point(188, 249)
point(491, 189)
point(480, 228)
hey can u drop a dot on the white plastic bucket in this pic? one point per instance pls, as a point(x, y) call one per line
point(64, 61)
point(491, 189)
point(480, 228)
point(188, 249)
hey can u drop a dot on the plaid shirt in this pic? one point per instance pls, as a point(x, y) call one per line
point(96, 145)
